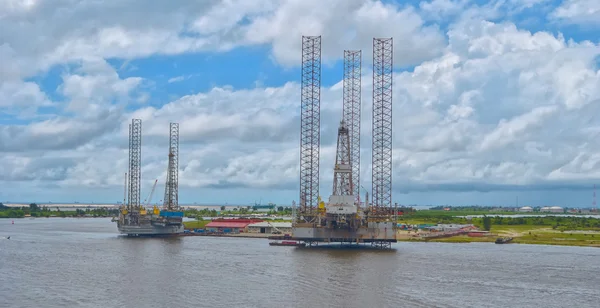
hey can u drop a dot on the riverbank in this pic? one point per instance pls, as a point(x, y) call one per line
point(536, 235)
point(539, 236)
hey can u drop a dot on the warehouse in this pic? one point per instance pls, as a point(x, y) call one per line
point(270, 227)
point(552, 209)
point(230, 225)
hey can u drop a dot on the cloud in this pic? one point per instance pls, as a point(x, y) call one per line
point(20, 98)
point(176, 79)
point(585, 12)
point(484, 106)
point(345, 23)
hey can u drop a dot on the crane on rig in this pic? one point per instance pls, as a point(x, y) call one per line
point(149, 198)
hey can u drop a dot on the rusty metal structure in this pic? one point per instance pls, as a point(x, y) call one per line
point(382, 126)
point(352, 111)
point(310, 125)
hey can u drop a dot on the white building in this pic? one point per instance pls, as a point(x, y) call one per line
point(552, 209)
point(526, 209)
point(270, 227)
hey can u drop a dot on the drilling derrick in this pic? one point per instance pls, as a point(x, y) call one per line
point(341, 209)
point(351, 112)
point(342, 172)
point(382, 129)
point(171, 199)
point(310, 127)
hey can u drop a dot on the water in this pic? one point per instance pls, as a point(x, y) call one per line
point(62, 262)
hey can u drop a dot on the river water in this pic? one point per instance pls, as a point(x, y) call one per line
point(63, 262)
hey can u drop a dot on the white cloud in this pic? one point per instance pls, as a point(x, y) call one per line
point(176, 79)
point(578, 12)
point(94, 84)
point(18, 98)
point(351, 24)
point(486, 104)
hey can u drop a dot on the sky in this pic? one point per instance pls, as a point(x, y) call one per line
point(493, 101)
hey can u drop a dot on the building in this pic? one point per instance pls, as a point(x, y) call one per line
point(230, 225)
point(526, 209)
point(552, 209)
point(270, 227)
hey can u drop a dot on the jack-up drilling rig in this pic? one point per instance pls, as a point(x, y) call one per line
point(342, 219)
point(134, 219)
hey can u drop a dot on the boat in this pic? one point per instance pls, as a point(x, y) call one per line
point(288, 243)
point(503, 240)
point(156, 223)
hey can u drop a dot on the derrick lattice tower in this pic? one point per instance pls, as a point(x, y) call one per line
point(351, 113)
point(171, 199)
point(310, 124)
point(382, 124)
point(342, 172)
point(135, 164)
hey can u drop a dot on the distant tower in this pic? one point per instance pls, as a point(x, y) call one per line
point(171, 199)
point(594, 200)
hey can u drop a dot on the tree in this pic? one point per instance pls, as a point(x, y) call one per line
point(487, 223)
point(34, 207)
point(223, 208)
point(280, 209)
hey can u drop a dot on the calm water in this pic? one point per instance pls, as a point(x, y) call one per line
point(83, 263)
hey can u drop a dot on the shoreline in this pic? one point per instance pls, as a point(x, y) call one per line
point(461, 239)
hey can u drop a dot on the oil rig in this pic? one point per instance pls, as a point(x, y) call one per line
point(343, 219)
point(135, 219)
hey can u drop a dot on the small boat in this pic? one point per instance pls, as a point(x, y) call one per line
point(287, 243)
point(503, 240)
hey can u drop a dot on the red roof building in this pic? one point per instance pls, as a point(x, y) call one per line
point(235, 225)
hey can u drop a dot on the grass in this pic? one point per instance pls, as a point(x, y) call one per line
point(553, 237)
point(528, 234)
point(195, 224)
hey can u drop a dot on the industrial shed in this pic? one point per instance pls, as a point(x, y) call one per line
point(270, 227)
point(229, 225)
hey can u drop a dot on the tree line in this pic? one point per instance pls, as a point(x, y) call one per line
point(34, 210)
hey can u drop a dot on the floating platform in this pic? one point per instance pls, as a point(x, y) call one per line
point(150, 230)
point(156, 223)
point(380, 234)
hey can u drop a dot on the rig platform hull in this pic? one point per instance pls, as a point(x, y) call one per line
point(150, 230)
point(383, 233)
point(160, 223)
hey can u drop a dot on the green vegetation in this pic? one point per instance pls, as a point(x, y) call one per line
point(195, 224)
point(280, 210)
point(486, 221)
point(34, 210)
point(550, 237)
point(549, 230)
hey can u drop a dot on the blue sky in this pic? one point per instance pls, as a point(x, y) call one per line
point(493, 100)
